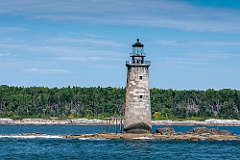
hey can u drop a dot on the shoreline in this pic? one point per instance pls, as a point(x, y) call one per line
point(85, 121)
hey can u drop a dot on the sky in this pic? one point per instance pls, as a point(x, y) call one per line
point(192, 44)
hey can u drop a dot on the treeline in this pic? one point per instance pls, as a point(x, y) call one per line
point(98, 102)
point(195, 104)
point(70, 102)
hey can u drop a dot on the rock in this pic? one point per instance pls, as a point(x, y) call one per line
point(221, 137)
point(198, 131)
point(177, 133)
point(194, 138)
point(165, 131)
point(212, 131)
point(137, 131)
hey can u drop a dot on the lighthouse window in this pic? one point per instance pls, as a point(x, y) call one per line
point(140, 77)
point(141, 96)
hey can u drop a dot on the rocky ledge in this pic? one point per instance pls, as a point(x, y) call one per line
point(162, 134)
point(168, 134)
point(202, 133)
point(156, 136)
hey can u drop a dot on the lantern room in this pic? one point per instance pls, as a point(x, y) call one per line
point(137, 53)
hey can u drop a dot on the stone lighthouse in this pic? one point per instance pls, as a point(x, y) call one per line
point(137, 117)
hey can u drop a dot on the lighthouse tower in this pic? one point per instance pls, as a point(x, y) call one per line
point(137, 117)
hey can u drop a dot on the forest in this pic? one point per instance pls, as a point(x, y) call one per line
point(97, 102)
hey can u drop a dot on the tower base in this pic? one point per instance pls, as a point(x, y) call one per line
point(138, 128)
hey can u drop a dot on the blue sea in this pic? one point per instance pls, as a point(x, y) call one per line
point(88, 149)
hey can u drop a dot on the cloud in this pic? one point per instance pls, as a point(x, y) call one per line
point(87, 41)
point(168, 42)
point(38, 70)
point(67, 46)
point(74, 59)
point(183, 61)
point(92, 35)
point(4, 54)
point(87, 59)
point(199, 43)
point(213, 55)
point(163, 13)
point(5, 29)
point(204, 58)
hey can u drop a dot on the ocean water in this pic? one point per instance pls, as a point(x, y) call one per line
point(56, 148)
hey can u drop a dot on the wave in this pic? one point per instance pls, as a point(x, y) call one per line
point(142, 138)
point(47, 137)
point(32, 136)
point(98, 139)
